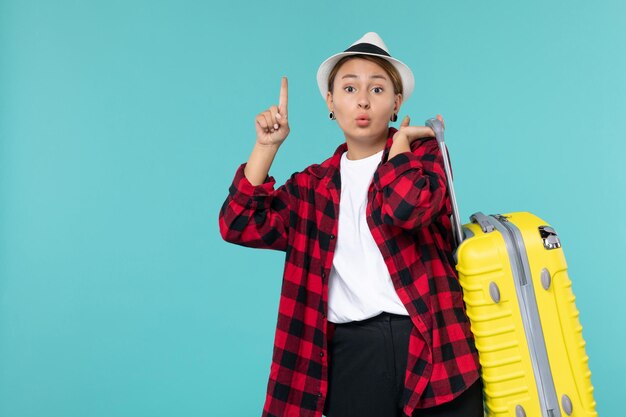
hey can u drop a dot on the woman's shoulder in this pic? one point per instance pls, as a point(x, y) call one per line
point(301, 182)
point(317, 170)
point(320, 170)
point(425, 146)
point(328, 167)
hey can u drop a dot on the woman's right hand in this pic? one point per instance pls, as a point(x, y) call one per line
point(272, 125)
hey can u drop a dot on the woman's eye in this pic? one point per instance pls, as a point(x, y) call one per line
point(349, 89)
point(377, 89)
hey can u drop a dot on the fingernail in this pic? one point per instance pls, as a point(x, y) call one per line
point(275, 126)
point(278, 116)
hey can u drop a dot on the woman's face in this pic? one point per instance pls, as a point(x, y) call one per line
point(363, 100)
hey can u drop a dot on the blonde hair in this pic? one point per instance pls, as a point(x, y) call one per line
point(393, 73)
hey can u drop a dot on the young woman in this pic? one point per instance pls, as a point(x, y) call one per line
point(371, 318)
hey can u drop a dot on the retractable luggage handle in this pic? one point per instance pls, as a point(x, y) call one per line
point(437, 127)
point(480, 218)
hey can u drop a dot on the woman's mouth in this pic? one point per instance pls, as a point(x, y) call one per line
point(362, 121)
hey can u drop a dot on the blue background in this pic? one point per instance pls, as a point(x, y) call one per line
point(122, 124)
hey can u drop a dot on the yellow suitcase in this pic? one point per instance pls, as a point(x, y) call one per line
point(521, 308)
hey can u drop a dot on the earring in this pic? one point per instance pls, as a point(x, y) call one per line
point(331, 115)
point(394, 118)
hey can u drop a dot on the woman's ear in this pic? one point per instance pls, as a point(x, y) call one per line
point(397, 103)
point(329, 101)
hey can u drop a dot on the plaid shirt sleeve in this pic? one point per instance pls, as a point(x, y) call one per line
point(255, 216)
point(413, 186)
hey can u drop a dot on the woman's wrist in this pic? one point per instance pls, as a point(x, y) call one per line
point(259, 163)
point(400, 144)
point(266, 148)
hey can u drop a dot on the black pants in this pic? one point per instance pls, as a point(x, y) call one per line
point(366, 372)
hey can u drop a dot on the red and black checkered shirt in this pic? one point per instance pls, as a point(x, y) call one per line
point(408, 213)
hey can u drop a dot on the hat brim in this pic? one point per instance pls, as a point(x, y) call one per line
point(408, 82)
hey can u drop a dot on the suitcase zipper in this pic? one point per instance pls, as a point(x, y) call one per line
point(530, 316)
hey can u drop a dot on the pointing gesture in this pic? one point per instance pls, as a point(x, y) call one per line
point(272, 125)
point(283, 99)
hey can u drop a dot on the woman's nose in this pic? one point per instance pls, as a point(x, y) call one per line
point(363, 101)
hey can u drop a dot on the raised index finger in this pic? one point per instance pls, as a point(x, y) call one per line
point(282, 101)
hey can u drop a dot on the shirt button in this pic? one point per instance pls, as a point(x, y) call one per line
point(319, 394)
point(332, 236)
point(321, 354)
point(323, 274)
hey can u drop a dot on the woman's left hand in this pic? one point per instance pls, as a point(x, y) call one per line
point(411, 133)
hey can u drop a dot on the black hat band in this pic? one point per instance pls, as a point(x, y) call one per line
point(367, 48)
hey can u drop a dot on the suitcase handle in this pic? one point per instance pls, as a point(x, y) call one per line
point(483, 221)
point(437, 127)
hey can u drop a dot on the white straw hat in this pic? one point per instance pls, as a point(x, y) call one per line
point(369, 44)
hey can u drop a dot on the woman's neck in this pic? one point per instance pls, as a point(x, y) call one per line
point(359, 149)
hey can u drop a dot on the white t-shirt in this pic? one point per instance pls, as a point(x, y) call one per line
point(359, 285)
